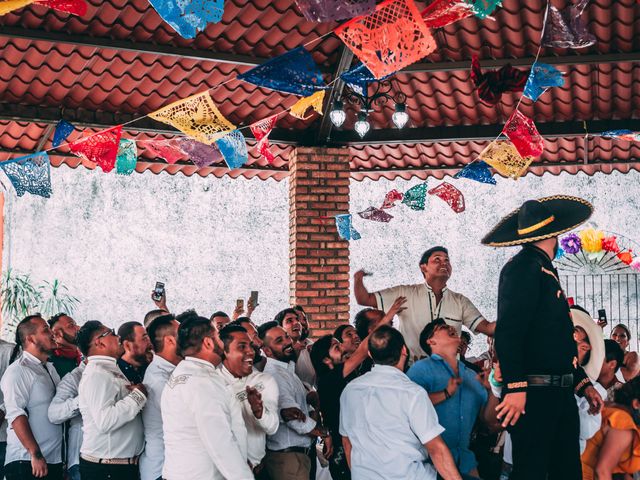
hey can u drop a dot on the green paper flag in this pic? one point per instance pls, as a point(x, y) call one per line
point(127, 157)
point(415, 197)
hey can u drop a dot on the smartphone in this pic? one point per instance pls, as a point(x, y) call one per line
point(254, 298)
point(240, 304)
point(158, 292)
point(602, 317)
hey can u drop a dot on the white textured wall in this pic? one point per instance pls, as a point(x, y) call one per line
point(109, 238)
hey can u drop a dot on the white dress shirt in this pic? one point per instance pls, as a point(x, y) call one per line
point(422, 308)
point(204, 433)
point(6, 349)
point(388, 419)
point(28, 387)
point(291, 394)
point(305, 370)
point(64, 406)
point(257, 429)
point(112, 426)
point(589, 424)
point(155, 379)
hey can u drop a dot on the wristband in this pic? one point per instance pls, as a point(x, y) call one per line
point(493, 381)
point(447, 395)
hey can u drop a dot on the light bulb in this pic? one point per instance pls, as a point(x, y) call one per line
point(337, 115)
point(362, 126)
point(400, 116)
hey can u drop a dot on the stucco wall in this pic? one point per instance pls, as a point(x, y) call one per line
point(109, 238)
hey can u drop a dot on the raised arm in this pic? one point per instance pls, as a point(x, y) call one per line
point(363, 297)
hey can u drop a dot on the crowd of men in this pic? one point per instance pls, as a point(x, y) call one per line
point(190, 397)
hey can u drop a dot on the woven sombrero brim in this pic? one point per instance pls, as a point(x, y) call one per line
point(569, 212)
point(594, 332)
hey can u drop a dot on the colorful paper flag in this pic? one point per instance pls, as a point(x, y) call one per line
point(62, 132)
point(491, 84)
point(375, 214)
point(127, 157)
point(30, 174)
point(565, 29)
point(477, 171)
point(315, 102)
point(188, 17)
point(484, 8)
point(345, 227)
point(359, 77)
point(261, 131)
point(524, 135)
point(391, 198)
point(7, 6)
point(451, 195)
point(75, 7)
point(389, 39)
point(167, 149)
point(234, 149)
point(331, 10)
point(292, 72)
point(100, 148)
point(415, 197)
point(504, 157)
point(441, 13)
point(200, 154)
point(196, 116)
point(541, 78)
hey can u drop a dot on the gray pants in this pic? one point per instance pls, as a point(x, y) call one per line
point(287, 466)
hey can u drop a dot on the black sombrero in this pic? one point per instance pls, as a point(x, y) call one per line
point(539, 219)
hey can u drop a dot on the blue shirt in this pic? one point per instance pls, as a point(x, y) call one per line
point(458, 414)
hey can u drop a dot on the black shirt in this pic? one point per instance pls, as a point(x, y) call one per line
point(134, 374)
point(331, 383)
point(534, 333)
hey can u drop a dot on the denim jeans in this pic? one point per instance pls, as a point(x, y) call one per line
point(74, 472)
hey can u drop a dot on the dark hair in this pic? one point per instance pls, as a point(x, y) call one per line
point(152, 315)
point(624, 327)
point(300, 309)
point(466, 335)
point(338, 332)
point(218, 314)
point(158, 329)
point(613, 351)
point(628, 392)
point(192, 331)
point(427, 255)
point(362, 322)
point(127, 331)
point(427, 332)
point(226, 334)
point(53, 320)
point(320, 351)
point(86, 335)
point(283, 313)
point(265, 327)
point(23, 330)
point(579, 308)
point(385, 345)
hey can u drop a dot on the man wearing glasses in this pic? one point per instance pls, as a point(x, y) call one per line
point(110, 406)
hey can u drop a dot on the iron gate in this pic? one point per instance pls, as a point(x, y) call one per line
point(616, 293)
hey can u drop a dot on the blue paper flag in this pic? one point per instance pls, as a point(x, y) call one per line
point(541, 78)
point(478, 171)
point(191, 16)
point(616, 133)
point(127, 157)
point(63, 130)
point(292, 72)
point(30, 173)
point(345, 228)
point(359, 77)
point(234, 149)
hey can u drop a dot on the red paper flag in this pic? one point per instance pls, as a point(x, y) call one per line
point(491, 84)
point(389, 39)
point(168, 150)
point(441, 13)
point(261, 131)
point(100, 148)
point(76, 7)
point(451, 195)
point(524, 135)
point(391, 198)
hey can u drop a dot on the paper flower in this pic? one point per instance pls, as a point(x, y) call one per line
point(591, 240)
point(391, 198)
point(491, 84)
point(626, 257)
point(376, 215)
point(571, 244)
point(477, 171)
point(635, 264)
point(609, 244)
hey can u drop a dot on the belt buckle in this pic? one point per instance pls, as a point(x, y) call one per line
point(566, 380)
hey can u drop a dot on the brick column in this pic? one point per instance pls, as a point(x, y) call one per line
point(318, 258)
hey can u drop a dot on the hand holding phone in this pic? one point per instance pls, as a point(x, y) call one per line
point(158, 292)
point(602, 318)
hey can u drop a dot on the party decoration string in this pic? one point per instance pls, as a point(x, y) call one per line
point(477, 171)
point(541, 78)
point(314, 101)
point(450, 194)
point(234, 149)
point(391, 198)
point(345, 227)
point(504, 157)
point(415, 197)
point(188, 17)
point(62, 132)
point(75, 7)
point(202, 155)
point(524, 135)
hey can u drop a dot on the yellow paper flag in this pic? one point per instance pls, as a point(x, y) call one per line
point(197, 116)
point(504, 157)
point(301, 106)
point(7, 6)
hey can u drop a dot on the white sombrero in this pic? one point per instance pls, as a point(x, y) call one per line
point(596, 339)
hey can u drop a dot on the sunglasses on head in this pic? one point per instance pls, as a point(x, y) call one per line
point(110, 331)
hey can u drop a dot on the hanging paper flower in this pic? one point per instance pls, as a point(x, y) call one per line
point(571, 244)
point(391, 198)
point(559, 253)
point(591, 240)
point(376, 215)
point(635, 264)
point(626, 257)
point(609, 244)
point(492, 84)
point(477, 171)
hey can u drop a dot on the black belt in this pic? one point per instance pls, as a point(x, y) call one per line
point(563, 381)
point(303, 450)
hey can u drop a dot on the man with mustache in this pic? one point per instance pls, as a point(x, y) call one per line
point(426, 301)
point(138, 351)
point(289, 320)
point(259, 360)
point(67, 356)
point(289, 448)
point(256, 393)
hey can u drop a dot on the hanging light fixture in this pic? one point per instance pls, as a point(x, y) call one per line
point(337, 114)
point(362, 126)
point(400, 116)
